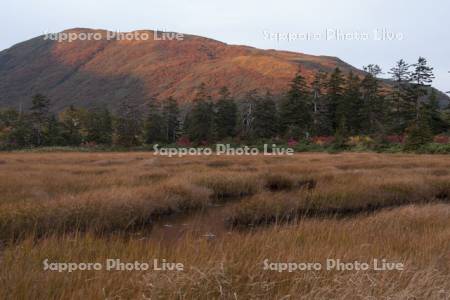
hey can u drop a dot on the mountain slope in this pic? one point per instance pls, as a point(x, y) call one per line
point(107, 71)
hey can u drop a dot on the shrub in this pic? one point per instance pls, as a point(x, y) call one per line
point(323, 140)
point(395, 139)
point(184, 141)
point(417, 135)
point(435, 148)
point(360, 141)
point(292, 142)
point(442, 139)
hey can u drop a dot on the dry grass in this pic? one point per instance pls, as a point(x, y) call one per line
point(86, 207)
point(342, 196)
point(233, 267)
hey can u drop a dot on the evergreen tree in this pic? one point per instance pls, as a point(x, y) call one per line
point(15, 129)
point(296, 109)
point(373, 109)
point(8, 117)
point(99, 126)
point(421, 79)
point(373, 70)
point(72, 120)
point(39, 117)
point(435, 118)
point(154, 129)
point(398, 114)
point(54, 133)
point(352, 108)
point(341, 134)
point(200, 123)
point(446, 118)
point(21, 133)
point(419, 132)
point(335, 97)
point(320, 123)
point(171, 120)
point(226, 115)
point(128, 124)
point(265, 114)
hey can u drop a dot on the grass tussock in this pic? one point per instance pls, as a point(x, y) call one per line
point(101, 211)
point(344, 197)
point(230, 184)
point(87, 207)
point(63, 192)
point(232, 268)
point(284, 181)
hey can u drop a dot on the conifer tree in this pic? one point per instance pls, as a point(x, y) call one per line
point(341, 133)
point(170, 120)
point(433, 113)
point(55, 133)
point(335, 97)
point(8, 117)
point(374, 70)
point(352, 108)
point(21, 133)
point(39, 117)
point(72, 121)
point(226, 115)
point(421, 78)
point(400, 75)
point(154, 129)
point(200, 120)
point(99, 126)
point(296, 109)
point(128, 124)
point(320, 122)
point(446, 118)
point(373, 109)
point(419, 132)
point(265, 114)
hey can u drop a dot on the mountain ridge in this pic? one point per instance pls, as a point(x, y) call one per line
point(105, 72)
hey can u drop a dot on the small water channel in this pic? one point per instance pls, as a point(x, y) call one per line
point(207, 223)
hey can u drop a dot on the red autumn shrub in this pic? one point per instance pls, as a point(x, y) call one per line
point(292, 142)
point(89, 145)
point(395, 139)
point(441, 139)
point(323, 140)
point(184, 141)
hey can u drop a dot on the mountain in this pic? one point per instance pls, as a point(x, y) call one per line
point(107, 71)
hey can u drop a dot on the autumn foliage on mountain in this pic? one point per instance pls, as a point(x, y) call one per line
point(107, 71)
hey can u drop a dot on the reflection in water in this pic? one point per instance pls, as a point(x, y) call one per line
point(208, 223)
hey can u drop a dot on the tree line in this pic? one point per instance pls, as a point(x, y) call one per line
point(337, 104)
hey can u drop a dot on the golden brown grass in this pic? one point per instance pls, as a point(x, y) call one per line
point(233, 267)
point(86, 207)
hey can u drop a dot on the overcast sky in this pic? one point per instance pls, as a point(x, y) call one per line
point(412, 28)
